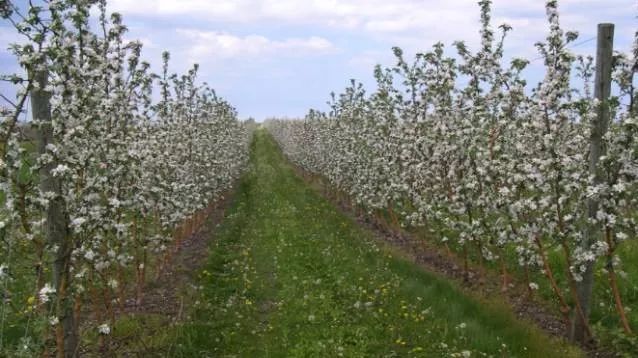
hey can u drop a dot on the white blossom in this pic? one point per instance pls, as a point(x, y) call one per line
point(104, 329)
point(53, 320)
point(45, 292)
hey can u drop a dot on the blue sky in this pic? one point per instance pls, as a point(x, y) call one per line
point(282, 57)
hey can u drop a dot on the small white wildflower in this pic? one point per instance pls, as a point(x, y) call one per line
point(621, 236)
point(533, 285)
point(618, 188)
point(121, 228)
point(101, 265)
point(60, 170)
point(104, 329)
point(81, 273)
point(115, 202)
point(78, 222)
point(4, 269)
point(53, 320)
point(45, 292)
point(113, 283)
point(51, 148)
point(89, 255)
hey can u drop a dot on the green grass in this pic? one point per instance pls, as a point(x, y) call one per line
point(604, 317)
point(290, 276)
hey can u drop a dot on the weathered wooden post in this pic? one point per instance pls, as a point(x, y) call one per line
point(57, 222)
point(597, 148)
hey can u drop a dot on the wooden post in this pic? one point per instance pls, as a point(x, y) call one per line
point(597, 148)
point(57, 223)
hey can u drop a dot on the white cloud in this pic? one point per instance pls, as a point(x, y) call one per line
point(338, 13)
point(376, 15)
point(207, 45)
point(353, 13)
point(407, 23)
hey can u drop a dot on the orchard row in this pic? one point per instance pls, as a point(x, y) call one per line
point(465, 149)
point(100, 183)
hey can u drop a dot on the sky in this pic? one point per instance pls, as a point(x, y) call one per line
point(279, 58)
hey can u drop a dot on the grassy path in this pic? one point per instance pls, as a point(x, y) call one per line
point(289, 276)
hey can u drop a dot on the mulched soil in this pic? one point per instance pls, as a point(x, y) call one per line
point(163, 295)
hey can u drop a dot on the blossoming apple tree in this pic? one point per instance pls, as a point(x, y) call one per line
point(99, 183)
point(488, 165)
